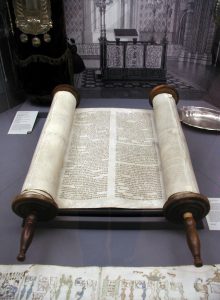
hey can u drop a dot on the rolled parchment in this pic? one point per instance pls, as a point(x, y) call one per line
point(184, 202)
point(40, 186)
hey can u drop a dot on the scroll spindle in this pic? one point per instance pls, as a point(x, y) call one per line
point(192, 238)
point(27, 235)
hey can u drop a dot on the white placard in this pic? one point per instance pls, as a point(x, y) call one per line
point(23, 122)
point(213, 218)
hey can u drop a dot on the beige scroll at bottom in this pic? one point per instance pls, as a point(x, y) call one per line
point(37, 198)
point(184, 202)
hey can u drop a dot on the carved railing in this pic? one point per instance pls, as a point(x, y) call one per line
point(133, 60)
point(128, 60)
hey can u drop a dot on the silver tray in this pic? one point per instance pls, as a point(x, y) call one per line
point(200, 117)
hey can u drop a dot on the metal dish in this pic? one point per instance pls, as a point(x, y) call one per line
point(200, 117)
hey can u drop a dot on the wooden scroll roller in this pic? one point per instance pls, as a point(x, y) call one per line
point(184, 202)
point(37, 199)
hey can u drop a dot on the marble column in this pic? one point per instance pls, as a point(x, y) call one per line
point(87, 22)
point(128, 13)
point(122, 14)
point(131, 13)
point(133, 16)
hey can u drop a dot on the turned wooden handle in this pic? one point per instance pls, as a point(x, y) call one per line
point(27, 235)
point(192, 238)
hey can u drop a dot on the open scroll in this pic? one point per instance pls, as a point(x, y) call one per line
point(108, 158)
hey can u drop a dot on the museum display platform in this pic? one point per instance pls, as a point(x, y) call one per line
point(102, 246)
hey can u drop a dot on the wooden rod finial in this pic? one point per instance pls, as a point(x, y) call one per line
point(192, 238)
point(27, 235)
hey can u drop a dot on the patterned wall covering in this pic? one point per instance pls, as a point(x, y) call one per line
point(155, 15)
point(74, 14)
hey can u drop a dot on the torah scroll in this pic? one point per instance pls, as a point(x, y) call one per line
point(111, 158)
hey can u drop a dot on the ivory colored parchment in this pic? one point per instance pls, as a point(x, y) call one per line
point(109, 283)
point(47, 161)
point(111, 157)
point(177, 168)
point(112, 160)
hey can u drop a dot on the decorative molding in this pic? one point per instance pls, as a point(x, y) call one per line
point(44, 59)
point(115, 56)
point(134, 57)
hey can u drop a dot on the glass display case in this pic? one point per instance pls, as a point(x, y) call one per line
point(35, 57)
